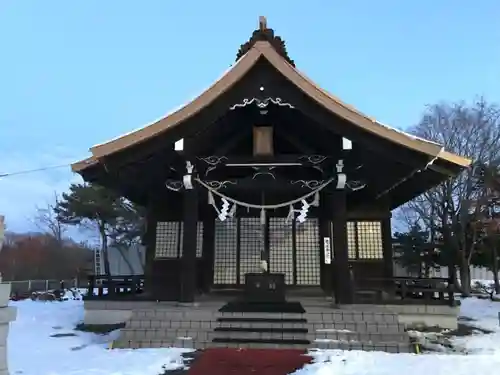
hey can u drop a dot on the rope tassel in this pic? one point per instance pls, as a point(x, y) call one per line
point(266, 207)
point(228, 210)
point(263, 216)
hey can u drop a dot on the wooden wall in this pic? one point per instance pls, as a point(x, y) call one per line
point(163, 275)
point(373, 268)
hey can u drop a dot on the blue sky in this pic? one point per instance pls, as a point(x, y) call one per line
point(76, 73)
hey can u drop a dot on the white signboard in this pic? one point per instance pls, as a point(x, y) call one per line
point(328, 250)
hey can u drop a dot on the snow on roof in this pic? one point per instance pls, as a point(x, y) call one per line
point(407, 134)
point(177, 108)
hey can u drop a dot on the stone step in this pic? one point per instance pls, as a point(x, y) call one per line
point(166, 334)
point(262, 323)
point(193, 344)
point(256, 342)
point(374, 337)
point(259, 345)
point(155, 343)
point(352, 316)
point(175, 315)
point(388, 347)
point(261, 334)
point(158, 323)
point(359, 326)
point(261, 315)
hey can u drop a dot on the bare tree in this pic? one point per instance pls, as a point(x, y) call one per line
point(471, 130)
point(489, 219)
point(47, 221)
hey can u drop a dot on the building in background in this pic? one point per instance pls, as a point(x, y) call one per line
point(2, 230)
point(128, 262)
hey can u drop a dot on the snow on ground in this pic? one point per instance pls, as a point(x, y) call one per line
point(32, 350)
point(483, 352)
point(486, 317)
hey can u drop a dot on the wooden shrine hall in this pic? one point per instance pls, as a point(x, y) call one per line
point(266, 183)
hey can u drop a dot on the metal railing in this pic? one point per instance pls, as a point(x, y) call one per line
point(20, 287)
point(409, 290)
point(114, 287)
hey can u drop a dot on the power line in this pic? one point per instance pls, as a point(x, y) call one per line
point(33, 170)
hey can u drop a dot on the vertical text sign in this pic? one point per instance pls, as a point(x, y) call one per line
point(328, 250)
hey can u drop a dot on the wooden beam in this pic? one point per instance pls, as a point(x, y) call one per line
point(232, 142)
point(265, 184)
point(442, 170)
point(276, 160)
point(299, 145)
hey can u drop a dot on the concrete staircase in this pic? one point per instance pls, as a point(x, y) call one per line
point(262, 330)
point(358, 330)
point(166, 327)
point(325, 329)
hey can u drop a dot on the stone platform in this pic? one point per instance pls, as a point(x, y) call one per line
point(201, 325)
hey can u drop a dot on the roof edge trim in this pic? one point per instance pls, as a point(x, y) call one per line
point(224, 83)
point(80, 165)
point(321, 96)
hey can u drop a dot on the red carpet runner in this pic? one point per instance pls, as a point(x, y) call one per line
point(222, 361)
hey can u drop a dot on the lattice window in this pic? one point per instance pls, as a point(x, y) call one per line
point(351, 240)
point(251, 246)
point(308, 256)
point(225, 246)
point(199, 239)
point(281, 247)
point(364, 240)
point(370, 240)
point(167, 239)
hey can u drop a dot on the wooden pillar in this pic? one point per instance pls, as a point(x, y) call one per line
point(190, 226)
point(344, 291)
point(325, 217)
point(208, 251)
point(387, 248)
point(149, 242)
point(189, 241)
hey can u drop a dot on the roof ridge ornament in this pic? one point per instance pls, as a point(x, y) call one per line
point(263, 33)
point(262, 23)
point(261, 103)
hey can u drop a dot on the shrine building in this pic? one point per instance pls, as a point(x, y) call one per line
point(268, 185)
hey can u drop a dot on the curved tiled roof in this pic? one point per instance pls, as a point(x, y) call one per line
point(263, 49)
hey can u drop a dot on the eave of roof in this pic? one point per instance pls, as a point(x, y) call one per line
point(83, 164)
point(237, 72)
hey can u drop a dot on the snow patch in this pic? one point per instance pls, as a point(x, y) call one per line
point(43, 341)
point(483, 351)
point(332, 330)
point(34, 350)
